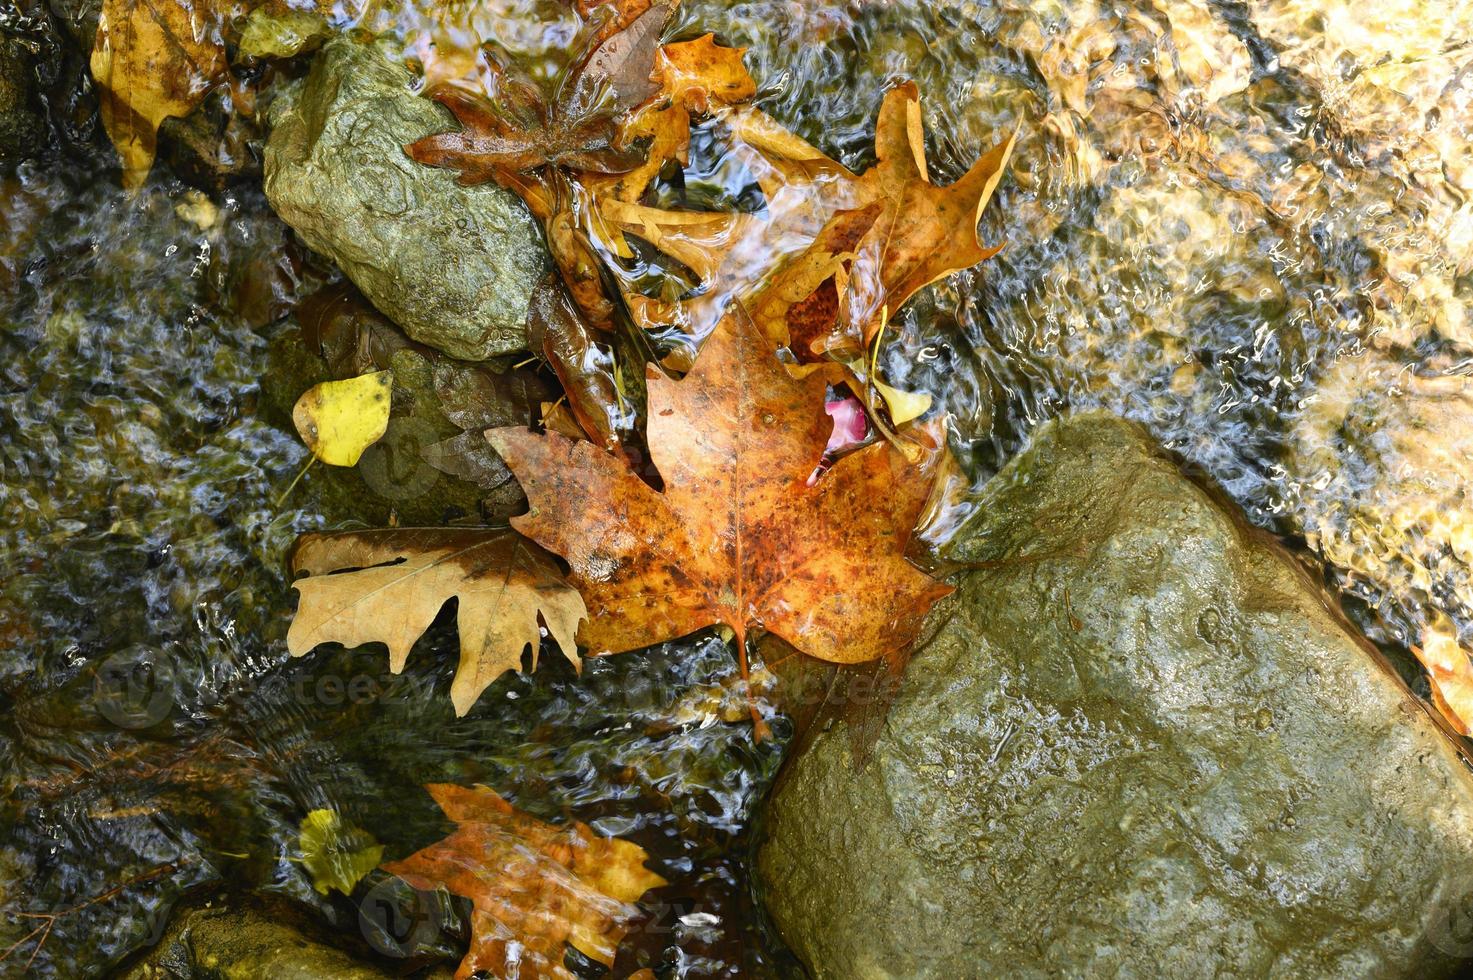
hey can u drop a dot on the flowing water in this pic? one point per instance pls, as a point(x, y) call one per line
point(1245, 224)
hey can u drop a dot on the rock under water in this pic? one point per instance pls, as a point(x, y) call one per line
point(1136, 742)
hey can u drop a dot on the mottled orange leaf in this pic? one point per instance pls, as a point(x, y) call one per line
point(738, 536)
point(700, 72)
point(533, 886)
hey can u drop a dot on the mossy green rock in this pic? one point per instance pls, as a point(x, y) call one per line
point(453, 266)
point(393, 479)
point(246, 944)
point(1138, 743)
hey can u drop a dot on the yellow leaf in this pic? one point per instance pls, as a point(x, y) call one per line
point(152, 61)
point(904, 405)
point(335, 854)
point(339, 419)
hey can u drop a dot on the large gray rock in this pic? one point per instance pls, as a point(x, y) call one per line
point(454, 266)
point(1139, 744)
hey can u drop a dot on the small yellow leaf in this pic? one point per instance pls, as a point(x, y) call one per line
point(904, 405)
point(335, 854)
point(339, 419)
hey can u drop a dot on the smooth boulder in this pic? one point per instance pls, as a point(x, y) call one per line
point(1137, 741)
point(453, 266)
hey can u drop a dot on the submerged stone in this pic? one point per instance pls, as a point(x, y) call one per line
point(228, 944)
point(1137, 741)
point(454, 266)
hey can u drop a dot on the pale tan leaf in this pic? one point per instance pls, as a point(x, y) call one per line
point(387, 586)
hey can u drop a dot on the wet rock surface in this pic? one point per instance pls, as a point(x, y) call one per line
point(22, 130)
point(454, 266)
point(1136, 742)
point(226, 944)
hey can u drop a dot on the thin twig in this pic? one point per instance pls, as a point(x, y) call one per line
point(49, 919)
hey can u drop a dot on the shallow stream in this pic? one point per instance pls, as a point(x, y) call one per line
point(1244, 224)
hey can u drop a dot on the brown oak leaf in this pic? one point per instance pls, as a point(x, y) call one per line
point(533, 886)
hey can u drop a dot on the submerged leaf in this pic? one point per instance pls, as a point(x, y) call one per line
point(338, 420)
point(533, 886)
point(577, 128)
point(335, 854)
point(152, 61)
point(388, 585)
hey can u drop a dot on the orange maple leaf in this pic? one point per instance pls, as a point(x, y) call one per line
point(739, 536)
point(533, 886)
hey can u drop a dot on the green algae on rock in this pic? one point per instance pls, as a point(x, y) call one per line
point(454, 266)
point(1137, 741)
point(233, 944)
point(432, 465)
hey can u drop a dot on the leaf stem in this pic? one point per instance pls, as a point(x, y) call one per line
point(295, 480)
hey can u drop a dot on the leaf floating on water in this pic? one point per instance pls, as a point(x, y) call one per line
point(738, 537)
point(335, 854)
point(338, 420)
point(533, 886)
point(388, 585)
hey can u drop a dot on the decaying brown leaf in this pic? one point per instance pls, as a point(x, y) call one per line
point(533, 886)
point(584, 365)
point(387, 586)
point(575, 128)
point(880, 235)
point(739, 535)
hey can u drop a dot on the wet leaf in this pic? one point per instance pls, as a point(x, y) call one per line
point(338, 420)
point(694, 77)
point(387, 586)
point(583, 364)
point(533, 886)
point(468, 457)
point(152, 61)
point(879, 236)
point(923, 232)
point(738, 536)
point(576, 128)
point(335, 854)
point(1450, 671)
